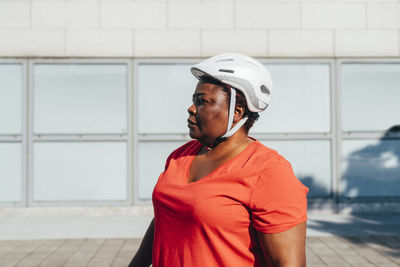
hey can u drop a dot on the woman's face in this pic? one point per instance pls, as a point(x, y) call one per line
point(208, 115)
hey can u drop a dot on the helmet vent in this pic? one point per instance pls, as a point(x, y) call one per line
point(224, 59)
point(265, 90)
point(248, 61)
point(225, 70)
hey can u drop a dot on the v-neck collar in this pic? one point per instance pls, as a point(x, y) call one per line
point(196, 151)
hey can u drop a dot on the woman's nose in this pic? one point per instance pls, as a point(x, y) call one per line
point(192, 109)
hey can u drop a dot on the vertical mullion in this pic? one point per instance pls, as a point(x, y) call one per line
point(129, 132)
point(29, 125)
point(25, 135)
point(338, 132)
point(334, 129)
point(134, 130)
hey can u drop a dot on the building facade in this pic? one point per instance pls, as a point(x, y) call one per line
point(93, 94)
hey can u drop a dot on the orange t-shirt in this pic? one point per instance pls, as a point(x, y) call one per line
point(212, 221)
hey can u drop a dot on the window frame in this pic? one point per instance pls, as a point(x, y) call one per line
point(20, 137)
point(336, 201)
point(80, 137)
point(143, 137)
point(358, 135)
point(330, 136)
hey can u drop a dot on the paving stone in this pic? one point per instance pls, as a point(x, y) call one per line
point(33, 259)
point(29, 246)
point(121, 261)
point(71, 245)
point(363, 265)
point(85, 253)
point(315, 264)
point(374, 257)
point(336, 264)
point(8, 262)
point(28, 262)
point(314, 260)
point(324, 251)
point(320, 251)
point(60, 256)
point(10, 245)
point(332, 259)
point(347, 253)
point(107, 253)
point(132, 244)
point(50, 245)
point(313, 239)
point(80, 258)
point(12, 258)
point(58, 260)
point(356, 259)
point(7, 246)
point(126, 253)
point(395, 259)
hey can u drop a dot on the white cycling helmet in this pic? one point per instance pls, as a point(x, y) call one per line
point(242, 73)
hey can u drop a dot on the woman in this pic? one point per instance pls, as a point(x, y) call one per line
point(225, 199)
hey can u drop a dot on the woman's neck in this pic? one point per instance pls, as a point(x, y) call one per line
point(233, 145)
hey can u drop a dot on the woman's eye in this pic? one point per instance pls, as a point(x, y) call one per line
point(198, 101)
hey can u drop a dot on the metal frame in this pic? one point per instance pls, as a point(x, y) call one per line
point(329, 136)
point(19, 137)
point(133, 137)
point(149, 137)
point(80, 137)
point(142, 137)
point(360, 135)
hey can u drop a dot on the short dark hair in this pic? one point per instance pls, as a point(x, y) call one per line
point(240, 101)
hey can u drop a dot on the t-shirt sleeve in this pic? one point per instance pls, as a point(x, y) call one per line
point(278, 200)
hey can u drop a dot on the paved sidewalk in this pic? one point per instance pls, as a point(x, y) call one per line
point(337, 240)
point(380, 251)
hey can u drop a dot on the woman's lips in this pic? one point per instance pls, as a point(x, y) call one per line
point(190, 123)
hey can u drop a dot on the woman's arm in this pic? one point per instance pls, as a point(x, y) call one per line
point(143, 256)
point(286, 248)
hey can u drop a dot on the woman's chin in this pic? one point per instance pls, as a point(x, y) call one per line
point(197, 136)
point(193, 134)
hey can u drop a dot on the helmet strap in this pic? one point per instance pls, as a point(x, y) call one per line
point(229, 132)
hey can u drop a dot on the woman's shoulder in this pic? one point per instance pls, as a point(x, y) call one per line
point(188, 149)
point(266, 157)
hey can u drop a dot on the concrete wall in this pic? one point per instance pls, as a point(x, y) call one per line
point(123, 28)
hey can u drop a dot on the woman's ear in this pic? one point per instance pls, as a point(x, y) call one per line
point(238, 114)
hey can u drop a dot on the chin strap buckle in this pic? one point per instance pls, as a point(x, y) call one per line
point(217, 141)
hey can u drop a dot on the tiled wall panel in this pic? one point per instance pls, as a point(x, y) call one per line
point(163, 28)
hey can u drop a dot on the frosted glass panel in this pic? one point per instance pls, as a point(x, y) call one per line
point(370, 168)
point(11, 81)
point(152, 158)
point(300, 100)
point(165, 93)
point(79, 171)
point(10, 172)
point(310, 161)
point(370, 96)
point(80, 98)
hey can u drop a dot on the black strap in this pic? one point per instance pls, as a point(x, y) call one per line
point(217, 141)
